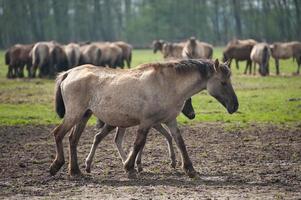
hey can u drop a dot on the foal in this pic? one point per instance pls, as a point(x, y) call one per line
point(145, 96)
point(187, 110)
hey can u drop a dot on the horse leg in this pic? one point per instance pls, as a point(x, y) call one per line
point(299, 63)
point(9, 72)
point(168, 138)
point(237, 66)
point(97, 139)
point(118, 142)
point(73, 142)
point(277, 66)
point(28, 68)
point(246, 69)
point(250, 67)
point(186, 162)
point(59, 133)
point(254, 69)
point(138, 145)
point(21, 72)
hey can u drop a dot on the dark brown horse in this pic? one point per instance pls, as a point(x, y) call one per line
point(17, 57)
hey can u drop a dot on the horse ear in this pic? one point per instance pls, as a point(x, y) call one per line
point(227, 63)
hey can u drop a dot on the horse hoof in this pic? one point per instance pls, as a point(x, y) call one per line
point(139, 168)
point(75, 174)
point(190, 172)
point(132, 174)
point(55, 167)
point(88, 170)
point(173, 164)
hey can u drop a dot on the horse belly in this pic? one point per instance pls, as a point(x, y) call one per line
point(117, 112)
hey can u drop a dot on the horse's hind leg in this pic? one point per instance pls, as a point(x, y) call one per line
point(254, 69)
point(138, 145)
point(97, 139)
point(59, 133)
point(118, 142)
point(171, 152)
point(164, 132)
point(186, 162)
point(73, 141)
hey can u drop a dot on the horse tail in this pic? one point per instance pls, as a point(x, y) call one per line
point(35, 57)
point(59, 102)
point(7, 57)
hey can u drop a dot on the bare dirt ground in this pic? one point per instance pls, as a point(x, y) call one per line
point(258, 162)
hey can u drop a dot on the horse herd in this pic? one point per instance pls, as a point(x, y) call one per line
point(247, 50)
point(52, 57)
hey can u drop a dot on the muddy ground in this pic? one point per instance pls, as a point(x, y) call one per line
point(262, 162)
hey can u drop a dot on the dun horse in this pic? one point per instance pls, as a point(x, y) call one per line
point(187, 110)
point(145, 96)
point(260, 55)
point(285, 51)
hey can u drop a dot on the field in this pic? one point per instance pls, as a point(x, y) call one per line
point(255, 152)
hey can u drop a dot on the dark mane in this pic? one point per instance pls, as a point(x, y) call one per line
point(204, 66)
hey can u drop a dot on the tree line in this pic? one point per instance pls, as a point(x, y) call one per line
point(141, 21)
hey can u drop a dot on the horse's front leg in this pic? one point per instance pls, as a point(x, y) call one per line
point(138, 145)
point(186, 162)
point(165, 133)
point(97, 139)
point(73, 141)
point(277, 66)
point(237, 66)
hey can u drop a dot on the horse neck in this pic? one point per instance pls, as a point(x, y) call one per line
point(188, 84)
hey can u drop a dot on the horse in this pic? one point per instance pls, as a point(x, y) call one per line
point(90, 54)
point(111, 54)
point(73, 54)
point(173, 50)
point(187, 110)
point(49, 58)
point(16, 58)
point(260, 54)
point(158, 45)
point(286, 51)
point(196, 49)
point(240, 50)
point(126, 52)
point(148, 95)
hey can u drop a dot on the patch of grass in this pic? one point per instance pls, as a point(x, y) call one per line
point(273, 99)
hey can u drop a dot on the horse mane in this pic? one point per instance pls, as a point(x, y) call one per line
point(204, 66)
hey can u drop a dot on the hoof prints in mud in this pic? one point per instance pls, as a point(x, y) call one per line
point(259, 161)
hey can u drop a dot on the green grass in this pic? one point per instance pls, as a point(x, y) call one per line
point(262, 99)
